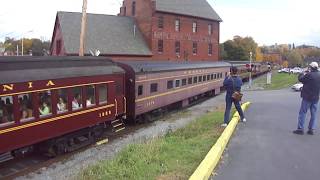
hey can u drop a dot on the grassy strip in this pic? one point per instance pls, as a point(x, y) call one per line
point(278, 81)
point(174, 156)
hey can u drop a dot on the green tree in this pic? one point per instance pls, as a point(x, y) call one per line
point(294, 58)
point(239, 48)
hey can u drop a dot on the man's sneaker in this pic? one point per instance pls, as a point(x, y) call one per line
point(298, 131)
point(244, 120)
point(310, 132)
point(224, 125)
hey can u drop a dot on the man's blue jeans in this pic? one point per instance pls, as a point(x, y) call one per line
point(229, 101)
point(305, 105)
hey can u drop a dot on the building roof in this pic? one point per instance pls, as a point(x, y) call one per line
point(157, 66)
point(196, 8)
point(111, 35)
point(25, 69)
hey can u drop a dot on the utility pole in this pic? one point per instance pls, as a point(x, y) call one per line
point(22, 47)
point(250, 76)
point(83, 28)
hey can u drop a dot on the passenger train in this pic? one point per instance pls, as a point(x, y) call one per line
point(58, 104)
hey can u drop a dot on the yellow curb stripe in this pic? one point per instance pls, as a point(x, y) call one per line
point(208, 164)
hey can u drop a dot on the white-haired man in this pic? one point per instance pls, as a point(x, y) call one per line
point(310, 98)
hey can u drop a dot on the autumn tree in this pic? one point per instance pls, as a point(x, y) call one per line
point(295, 58)
point(239, 48)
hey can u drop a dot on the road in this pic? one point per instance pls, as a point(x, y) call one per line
point(265, 148)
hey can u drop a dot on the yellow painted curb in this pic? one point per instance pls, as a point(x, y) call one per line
point(207, 165)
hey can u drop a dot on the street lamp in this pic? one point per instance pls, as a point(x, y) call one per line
point(250, 76)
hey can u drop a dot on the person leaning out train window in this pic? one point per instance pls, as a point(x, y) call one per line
point(26, 112)
point(89, 102)
point(62, 107)
point(44, 110)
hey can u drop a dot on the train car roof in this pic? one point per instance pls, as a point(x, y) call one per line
point(23, 69)
point(157, 66)
point(241, 63)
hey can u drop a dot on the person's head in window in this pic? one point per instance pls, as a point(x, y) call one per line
point(8, 101)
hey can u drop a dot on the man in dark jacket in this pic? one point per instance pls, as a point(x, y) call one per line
point(310, 98)
point(232, 83)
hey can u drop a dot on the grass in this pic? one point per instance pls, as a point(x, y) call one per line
point(278, 81)
point(174, 156)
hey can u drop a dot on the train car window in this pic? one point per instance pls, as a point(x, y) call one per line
point(25, 107)
point(77, 98)
point(154, 87)
point(208, 77)
point(211, 76)
point(140, 90)
point(170, 84)
point(6, 110)
point(90, 95)
point(103, 93)
point(62, 102)
point(45, 105)
point(200, 78)
point(204, 78)
point(177, 83)
point(195, 80)
point(190, 80)
point(184, 82)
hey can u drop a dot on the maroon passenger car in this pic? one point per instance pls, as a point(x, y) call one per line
point(47, 97)
point(155, 86)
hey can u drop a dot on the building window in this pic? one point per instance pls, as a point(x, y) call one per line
point(62, 103)
point(210, 49)
point(160, 46)
point(211, 76)
point(190, 80)
point(125, 10)
point(209, 29)
point(204, 78)
point(177, 45)
point(170, 84)
point(177, 25)
point(133, 8)
point(153, 87)
point(177, 83)
point(140, 90)
point(45, 108)
point(208, 77)
point(194, 27)
point(6, 110)
point(160, 22)
point(194, 48)
point(184, 82)
point(58, 47)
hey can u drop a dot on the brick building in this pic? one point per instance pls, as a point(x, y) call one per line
point(144, 29)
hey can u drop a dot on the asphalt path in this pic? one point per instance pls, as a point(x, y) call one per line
point(264, 148)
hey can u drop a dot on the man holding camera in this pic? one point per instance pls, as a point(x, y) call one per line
point(310, 98)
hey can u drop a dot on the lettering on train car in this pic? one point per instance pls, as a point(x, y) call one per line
point(29, 85)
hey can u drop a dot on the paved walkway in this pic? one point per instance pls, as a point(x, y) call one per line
point(265, 148)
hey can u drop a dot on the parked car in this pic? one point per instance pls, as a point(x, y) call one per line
point(297, 87)
point(296, 70)
point(284, 70)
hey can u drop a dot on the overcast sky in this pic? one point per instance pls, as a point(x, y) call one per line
point(268, 22)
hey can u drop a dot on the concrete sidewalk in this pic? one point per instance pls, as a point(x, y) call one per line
point(265, 147)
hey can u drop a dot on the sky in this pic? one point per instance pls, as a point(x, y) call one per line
point(267, 22)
